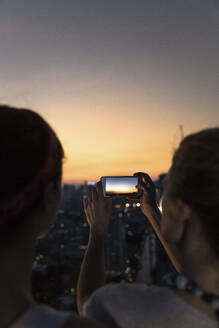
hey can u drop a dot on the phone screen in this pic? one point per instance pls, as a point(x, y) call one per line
point(122, 186)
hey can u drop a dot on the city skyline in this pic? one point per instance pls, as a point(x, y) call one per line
point(114, 79)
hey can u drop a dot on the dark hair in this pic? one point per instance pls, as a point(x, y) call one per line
point(194, 177)
point(30, 156)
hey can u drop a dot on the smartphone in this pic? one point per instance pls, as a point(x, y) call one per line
point(120, 186)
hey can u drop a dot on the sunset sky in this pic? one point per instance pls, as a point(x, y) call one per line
point(115, 79)
point(121, 185)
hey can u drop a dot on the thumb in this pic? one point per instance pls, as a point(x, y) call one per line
point(109, 202)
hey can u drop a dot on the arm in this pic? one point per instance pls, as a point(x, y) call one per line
point(92, 275)
point(154, 216)
point(151, 211)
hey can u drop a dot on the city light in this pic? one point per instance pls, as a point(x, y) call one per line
point(160, 204)
point(83, 247)
point(138, 204)
point(72, 290)
point(127, 205)
point(92, 183)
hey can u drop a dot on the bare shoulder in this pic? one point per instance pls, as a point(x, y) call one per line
point(79, 322)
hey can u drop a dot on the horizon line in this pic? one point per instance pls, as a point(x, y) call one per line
point(90, 181)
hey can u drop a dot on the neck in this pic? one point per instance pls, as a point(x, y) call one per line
point(202, 267)
point(15, 277)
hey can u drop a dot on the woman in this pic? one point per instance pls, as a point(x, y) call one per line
point(30, 194)
point(188, 230)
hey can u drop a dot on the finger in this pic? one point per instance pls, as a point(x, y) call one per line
point(85, 202)
point(139, 173)
point(89, 200)
point(84, 206)
point(89, 197)
point(89, 203)
point(147, 179)
point(109, 203)
point(143, 190)
point(94, 194)
point(144, 177)
point(108, 206)
point(89, 214)
point(100, 190)
point(96, 190)
point(143, 185)
point(140, 176)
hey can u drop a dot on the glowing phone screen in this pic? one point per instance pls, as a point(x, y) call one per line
point(123, 185)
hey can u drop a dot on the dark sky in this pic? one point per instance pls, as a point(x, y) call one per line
point(125, 73)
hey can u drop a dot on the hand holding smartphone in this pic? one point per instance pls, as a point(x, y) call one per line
point(120, 186)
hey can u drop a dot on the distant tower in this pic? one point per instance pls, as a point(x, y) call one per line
point(181, 132)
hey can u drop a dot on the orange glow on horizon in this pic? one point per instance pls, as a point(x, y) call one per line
point(92, 169)
point(97, 150)
point(121, 189)
point(120, 144)
point(115, 85)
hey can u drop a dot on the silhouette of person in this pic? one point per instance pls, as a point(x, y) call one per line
point(188, 228)
point(30, 194)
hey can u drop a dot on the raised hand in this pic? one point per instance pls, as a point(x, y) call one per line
point(147, 196)
point(150, 208)
point(97, 209)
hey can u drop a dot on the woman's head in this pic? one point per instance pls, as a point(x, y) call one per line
point(193, 182)
point(30, 160)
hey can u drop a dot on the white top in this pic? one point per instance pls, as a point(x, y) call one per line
point(41, 316)
point(139, 306)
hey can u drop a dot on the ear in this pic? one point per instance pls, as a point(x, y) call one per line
point(182, 217)
point(175, 221)
point(50, 193)
point(184, 209)
point(51, 197)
